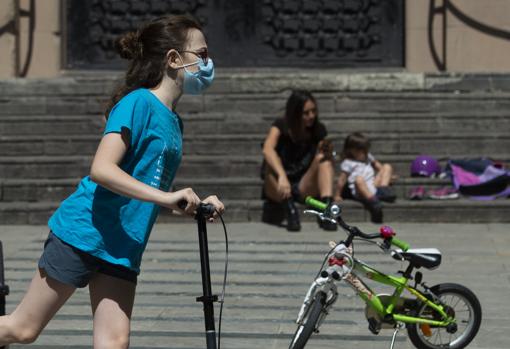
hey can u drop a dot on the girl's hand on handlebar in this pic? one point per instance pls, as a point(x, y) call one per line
point(218, 205)
point(184, 195)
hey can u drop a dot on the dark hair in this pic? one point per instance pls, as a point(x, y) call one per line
point(355, 141)
point(294, 114)
point(146, 50)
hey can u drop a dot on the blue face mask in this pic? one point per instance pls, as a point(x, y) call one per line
point(195, 83)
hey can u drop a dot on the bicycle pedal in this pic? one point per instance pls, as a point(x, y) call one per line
point(374, 326)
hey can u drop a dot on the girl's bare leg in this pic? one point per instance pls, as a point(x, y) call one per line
point(383, 177)
point(44, 297)
point(112, 304)
point(362, 190)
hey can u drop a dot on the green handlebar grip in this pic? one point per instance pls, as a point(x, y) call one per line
point(400, 244)
point(319, 205)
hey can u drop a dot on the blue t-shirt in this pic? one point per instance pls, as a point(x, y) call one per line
point(109, 226)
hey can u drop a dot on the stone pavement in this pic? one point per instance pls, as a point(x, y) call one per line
point(269, 273)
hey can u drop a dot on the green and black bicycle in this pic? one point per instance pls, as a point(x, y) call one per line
point(443, 316)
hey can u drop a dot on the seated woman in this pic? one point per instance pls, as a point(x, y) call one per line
point(294, 164)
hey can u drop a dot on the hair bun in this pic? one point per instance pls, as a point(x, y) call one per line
point(129, 46)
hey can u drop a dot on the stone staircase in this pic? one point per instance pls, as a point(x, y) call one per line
point(49, 130)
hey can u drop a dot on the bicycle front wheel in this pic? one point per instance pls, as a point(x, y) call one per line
point(460, 303)
point(305, 330)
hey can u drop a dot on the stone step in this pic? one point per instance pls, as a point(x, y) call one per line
point(388, 143)
point(228, 81)
point(275, 80)
point(250, 144)
point(51, 125)
point(231, 188)
point(255, 115)
point(270, 103)
point(231, 123)
point(462, 210)
point(358, 121)
point(213, 166)
point(58, 167)
point(236, 188)
point(192, 166)
point(44, 166)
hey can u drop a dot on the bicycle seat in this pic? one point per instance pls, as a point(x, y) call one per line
point(429, 258)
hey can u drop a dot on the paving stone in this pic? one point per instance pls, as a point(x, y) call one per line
point(269, 274)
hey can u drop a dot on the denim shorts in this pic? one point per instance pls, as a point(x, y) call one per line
point(71, 266)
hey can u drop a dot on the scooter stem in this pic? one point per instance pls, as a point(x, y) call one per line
point(207, 298)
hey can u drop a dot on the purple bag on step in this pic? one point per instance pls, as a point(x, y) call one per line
point(479, 178)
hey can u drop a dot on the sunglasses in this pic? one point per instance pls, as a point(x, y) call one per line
point(203, 54)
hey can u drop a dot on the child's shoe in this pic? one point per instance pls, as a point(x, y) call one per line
point(386, 194)
point(417, 193)
point(446, 193)
point(374, 206)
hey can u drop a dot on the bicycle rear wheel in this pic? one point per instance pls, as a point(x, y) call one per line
point(459, 302)
point(305, 330)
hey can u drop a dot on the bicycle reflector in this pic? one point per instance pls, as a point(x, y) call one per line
point(425, 329)
point(333, 260)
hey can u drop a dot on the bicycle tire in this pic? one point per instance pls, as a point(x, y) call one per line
point(304, 331)
point(419, 338)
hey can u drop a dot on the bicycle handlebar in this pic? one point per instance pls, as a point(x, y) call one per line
point(318, 205)
point(404, 246)
point(203, 208)
point(353, 231)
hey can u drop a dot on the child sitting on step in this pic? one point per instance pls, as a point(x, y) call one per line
point(367, 179)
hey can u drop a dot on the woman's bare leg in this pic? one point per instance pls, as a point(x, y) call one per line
point(318, 179)
point(44, 297)
point(112, 304)
point(271, 187)
point(383, 177)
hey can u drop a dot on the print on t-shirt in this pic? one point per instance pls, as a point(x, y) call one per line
point(161, 178)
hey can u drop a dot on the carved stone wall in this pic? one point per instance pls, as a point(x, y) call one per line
point(250, 33)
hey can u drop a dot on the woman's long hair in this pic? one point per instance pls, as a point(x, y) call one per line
point(294, 115)
point(146, 50)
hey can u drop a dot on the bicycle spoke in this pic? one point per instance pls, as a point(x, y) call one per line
point(459, 300)
point(440, 338)
point(436, 335)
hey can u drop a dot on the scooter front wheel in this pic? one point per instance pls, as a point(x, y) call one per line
point(305, 330)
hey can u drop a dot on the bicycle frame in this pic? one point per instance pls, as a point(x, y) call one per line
point(400, 284)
